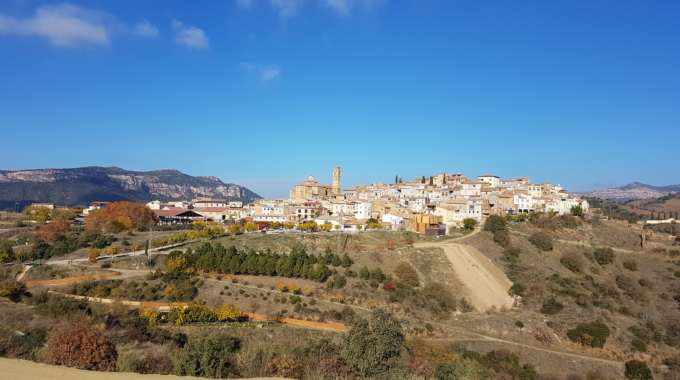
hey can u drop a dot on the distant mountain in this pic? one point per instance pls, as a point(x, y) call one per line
point(80, 186)
point(634, 191)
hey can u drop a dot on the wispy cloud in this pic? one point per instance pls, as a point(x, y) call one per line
point(67, 25)
point(145, 29)
point(190, 36)
point(286, 8)
point(344, 7)
point(63, 25)
point(245, 3)
point(264, 73)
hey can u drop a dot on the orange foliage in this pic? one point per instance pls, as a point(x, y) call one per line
point(84, 347)
point(50, 231)
point(390, 245)
point(121, 216)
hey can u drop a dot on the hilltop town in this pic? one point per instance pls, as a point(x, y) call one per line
point(430, 205)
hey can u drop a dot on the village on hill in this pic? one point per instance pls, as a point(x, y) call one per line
point(431, 205)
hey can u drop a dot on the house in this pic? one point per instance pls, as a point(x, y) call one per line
point(492, 180)
point(363, 210)
point(392, 219)
point(93, 206)
point(212, 213)
point(209, 202)
point(235, 204)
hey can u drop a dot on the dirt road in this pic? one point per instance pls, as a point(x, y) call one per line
point(24, 370)
point(487, 286)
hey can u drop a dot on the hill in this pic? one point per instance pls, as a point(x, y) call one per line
point(80, 186)
point(632, 191)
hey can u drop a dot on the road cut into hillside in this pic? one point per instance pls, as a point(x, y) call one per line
point(25, 370)
point(486, 284)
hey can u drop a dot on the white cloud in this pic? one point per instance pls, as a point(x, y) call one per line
point(64, 25)
point(245, 3)
point(190, 36)
point(286, 8)
point(265, 73)
point(344, 7)
point(67, 25)
point(145, 29)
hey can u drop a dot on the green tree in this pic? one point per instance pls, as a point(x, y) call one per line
point(592, 334)
point(364, 273)
point(422, 180)
point(374, 347)
point(396, 179)
point(576, 210)
point(469, 223)
point(346, 261)
point(431, 181)
point(207, 357)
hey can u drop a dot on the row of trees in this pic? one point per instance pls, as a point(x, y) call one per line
point(206, 232)
point(214, 257)
point(44, 214)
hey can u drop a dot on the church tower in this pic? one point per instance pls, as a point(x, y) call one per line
point(337, 189)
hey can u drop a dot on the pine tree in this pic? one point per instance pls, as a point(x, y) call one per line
point(652, 215)
point(431, 181)
point(396, 179)
point(422, 180)
point(336, 261)
point(401, 180)
point(346, 261)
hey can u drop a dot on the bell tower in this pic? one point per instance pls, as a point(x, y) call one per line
point(337, 188)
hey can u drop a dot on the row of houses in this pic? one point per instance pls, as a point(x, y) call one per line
point(448, 198)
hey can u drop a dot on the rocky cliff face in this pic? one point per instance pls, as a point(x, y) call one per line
point(84, 185)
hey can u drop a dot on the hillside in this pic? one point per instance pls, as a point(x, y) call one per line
point(80, 186)
point(633, 191)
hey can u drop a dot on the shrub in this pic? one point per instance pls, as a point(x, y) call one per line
point(592, 334)
point(542, 240)
point(551, 307)
point(407, 274)
point(502, 238)
point(511, 254)
point(128, 362)
point(207, 357)
point(494, 223)
point(84, 347)
point(637, 370)
point(604, 255)
point(12, 289)
point(516, 289)
point(389, 286)
point(638, 345)
point(573, 261)
point(631, 265)
point(155, 365)
point(519, 324)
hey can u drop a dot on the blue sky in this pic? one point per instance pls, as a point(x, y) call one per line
point(265, 92)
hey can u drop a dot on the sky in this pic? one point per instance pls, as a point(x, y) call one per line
point(263, 93)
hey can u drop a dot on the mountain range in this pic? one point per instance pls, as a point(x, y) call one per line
point(80, 186)
point(633, 191)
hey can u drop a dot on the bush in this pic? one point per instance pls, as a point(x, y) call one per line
point(638, 345)
point(519, 324)
point(604, 255)
point(551, 307)
point(494, 223)
point(502, 238)
point(12, 289)
point(407, 274)
point(631, 265)
point(592, 334)
point(573, 261)
point(542, 240)
point(84, 347)
point(155, 365)
point(637, 370)
point(207, 357)
point(516, 289)
point(511, 254)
